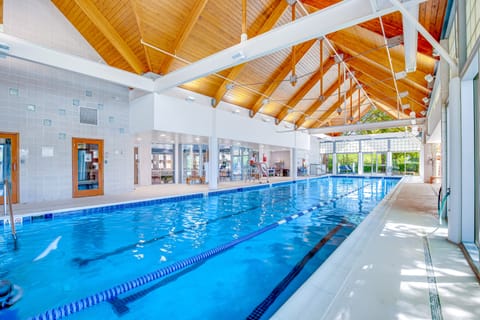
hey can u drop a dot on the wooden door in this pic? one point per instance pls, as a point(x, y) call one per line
point(9, 163)
point(87, 167)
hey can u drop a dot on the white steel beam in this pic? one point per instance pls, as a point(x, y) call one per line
point(410, 39)
point(336, 17)
point(21, 49)
point(369, 126)
point(402, 7)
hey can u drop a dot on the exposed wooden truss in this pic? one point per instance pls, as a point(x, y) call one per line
point(186, 31)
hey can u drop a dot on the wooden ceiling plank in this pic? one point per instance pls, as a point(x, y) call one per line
point(352, 46)
point(390, 91)
point(282, 71)
point(325, 116)
point(97, 18)
point(184, 34)
point(389, 105)
point(280, 8)
point(318, 103)
point(295, 99)
point(133, 4)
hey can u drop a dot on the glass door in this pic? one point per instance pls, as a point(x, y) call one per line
point(87, 167)
point(9, 164)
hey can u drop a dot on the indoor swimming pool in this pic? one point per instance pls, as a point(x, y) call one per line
point(234, 254)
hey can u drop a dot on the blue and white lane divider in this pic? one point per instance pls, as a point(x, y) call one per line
point(92, 300)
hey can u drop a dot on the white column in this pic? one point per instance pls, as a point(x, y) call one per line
point(145, 162)
point(293, 164)
point(421, 164)
point(334, 163)
point(468, 163)
point(176, 163)
point(454, 162)
point(360, 163)
point(213, 154)
point(389, 160)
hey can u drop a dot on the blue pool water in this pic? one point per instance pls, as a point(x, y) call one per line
point(251, 279)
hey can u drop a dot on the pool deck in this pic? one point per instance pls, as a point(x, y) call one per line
point(381, 271)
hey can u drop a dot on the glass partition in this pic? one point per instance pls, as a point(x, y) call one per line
point(194, 163)
point(375, 163)
point(162, 163)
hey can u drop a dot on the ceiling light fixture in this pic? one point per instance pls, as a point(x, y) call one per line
point(428, 77)
point(423, 113)
point(403, 94)
point(425, 100)
point(400, 75)
point(405, 106)
point(339, 110)
point(230, 86)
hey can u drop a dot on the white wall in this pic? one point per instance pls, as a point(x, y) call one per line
point(55, 120)
point(40, 22)
point(174, 114)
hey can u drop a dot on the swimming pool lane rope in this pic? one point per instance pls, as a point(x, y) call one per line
point(111, 293)
point(81, 262)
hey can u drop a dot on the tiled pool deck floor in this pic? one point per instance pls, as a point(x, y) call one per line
point(379, 272)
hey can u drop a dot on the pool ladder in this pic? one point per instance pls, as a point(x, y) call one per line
point(7, 199)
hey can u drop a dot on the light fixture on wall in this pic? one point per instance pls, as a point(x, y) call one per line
point(190, 99)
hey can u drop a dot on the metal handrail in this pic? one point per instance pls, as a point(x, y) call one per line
point(7, 198)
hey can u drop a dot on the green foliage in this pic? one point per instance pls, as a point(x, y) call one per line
point(376, 115)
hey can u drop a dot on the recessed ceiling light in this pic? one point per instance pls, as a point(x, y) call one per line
point(190, 99)
point(265, 119)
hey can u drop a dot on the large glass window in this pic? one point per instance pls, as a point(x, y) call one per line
point(162, 163)
point(375, 162)
point(194, 163)
point(347, 163)
point(406, 163)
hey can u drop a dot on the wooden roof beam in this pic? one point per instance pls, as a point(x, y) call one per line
point(325, 116)
point(187, 28)
point(277, 13)
point(378, 74)
point(391, 94)
point(298, 96)
point(133, 4)
point(349, 45)
point(318, 103)
point(281, 73)
point(97, 18)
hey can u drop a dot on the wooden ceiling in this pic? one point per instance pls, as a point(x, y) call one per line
point(305, 85)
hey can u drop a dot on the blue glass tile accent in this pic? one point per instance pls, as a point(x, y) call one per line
point(100, 106)
point(88, 93)
point(13, 91)
point(76, 102)
point(47, 122)
point(62, 136)
point(31, 107)
point(62, 112)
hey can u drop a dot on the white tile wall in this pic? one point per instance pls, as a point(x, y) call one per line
point(51, 90)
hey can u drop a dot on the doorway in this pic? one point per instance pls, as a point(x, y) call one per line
point(9, 163)
point(87, 167)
